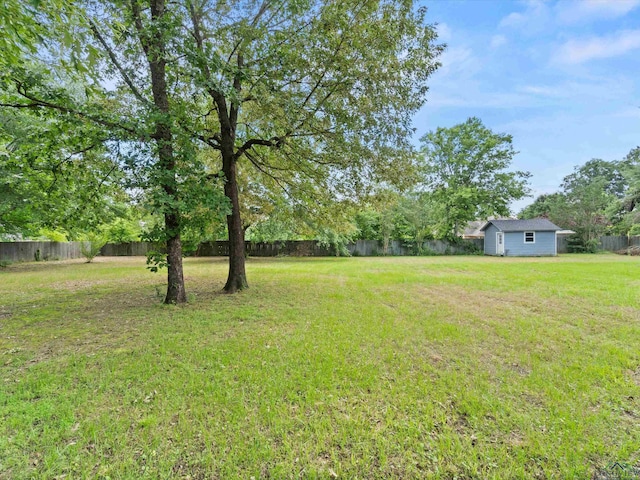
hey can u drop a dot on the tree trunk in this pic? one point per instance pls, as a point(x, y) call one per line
point(237, 279)
point(153, 44)
point(176, 292)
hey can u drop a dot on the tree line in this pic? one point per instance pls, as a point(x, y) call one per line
point(599, 198)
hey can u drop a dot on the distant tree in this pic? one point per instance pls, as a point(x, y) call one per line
point(596, 193)
point(610, 175)
point(416, 219)
point(466, 170)
point(583, 210)
point(367, 222)
point(381, 219)
point(544, 206)
point(628, 208)
point(596, 198)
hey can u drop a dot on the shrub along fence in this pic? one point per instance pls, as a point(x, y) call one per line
point(35, 251)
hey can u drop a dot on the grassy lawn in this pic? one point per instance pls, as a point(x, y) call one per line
point(437, 367)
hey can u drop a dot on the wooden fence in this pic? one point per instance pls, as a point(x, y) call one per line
point(613, 244)
point(306, 248)
point(130, 249)
point(34, 251)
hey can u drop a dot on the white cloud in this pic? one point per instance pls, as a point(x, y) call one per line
point(498, 41)
point(611, 88)
point(444, 32)
point(579, 51)
point(629, 112)
point(459, 61)
point(514, 19)
point(533, 18)
point(575, 11)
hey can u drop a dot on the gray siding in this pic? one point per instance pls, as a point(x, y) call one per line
point(514, 246)
point(490, 240)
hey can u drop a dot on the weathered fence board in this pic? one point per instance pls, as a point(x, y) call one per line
point(367, 248)
point(612, 244)
point(34, 251)
point(299, 248)
point(130, 249)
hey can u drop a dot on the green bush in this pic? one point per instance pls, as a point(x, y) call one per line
point(91, 245)
point(634, 230)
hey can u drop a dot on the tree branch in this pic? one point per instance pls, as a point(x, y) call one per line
point(212, 141)
point(38, 103)
point(116, 63)
point(274, 142)
point(218, 98)
point(260, 168)
point(137, 21)
point(261, 11)
point(57, 166)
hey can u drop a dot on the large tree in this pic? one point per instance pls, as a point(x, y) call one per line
point(329, 88)
point(69, 72)
point(467, 171)
point(627, 210)
point(593, 193)
point(584, 211)
point(609, 174)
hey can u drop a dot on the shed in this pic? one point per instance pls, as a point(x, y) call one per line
point(521, 238)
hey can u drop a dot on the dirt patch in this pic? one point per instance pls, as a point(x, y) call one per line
point(75, 285)
point(631, 312)
point(532, 399)
point(520, 370)
point(634, 376)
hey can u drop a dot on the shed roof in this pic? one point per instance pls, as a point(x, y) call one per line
point(537, 224)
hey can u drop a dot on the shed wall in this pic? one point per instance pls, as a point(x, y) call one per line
point(514, 246)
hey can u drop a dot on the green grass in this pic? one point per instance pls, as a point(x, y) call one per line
point(439, 367)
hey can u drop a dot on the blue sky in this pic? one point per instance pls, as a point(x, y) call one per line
point(561, 77)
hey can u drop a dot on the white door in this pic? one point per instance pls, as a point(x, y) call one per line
point(499, 243)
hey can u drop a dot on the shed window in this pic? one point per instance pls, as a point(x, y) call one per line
point(529, 237)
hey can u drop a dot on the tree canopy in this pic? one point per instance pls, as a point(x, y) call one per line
point(54, 174)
